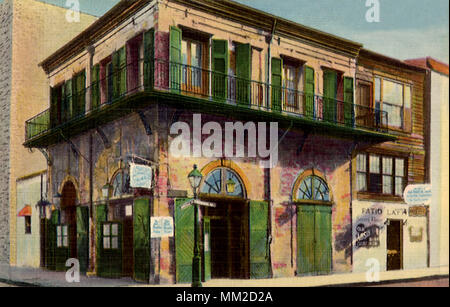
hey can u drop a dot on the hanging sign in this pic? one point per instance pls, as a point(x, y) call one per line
point(418, 194)
point(140, 176)
point(161, 227)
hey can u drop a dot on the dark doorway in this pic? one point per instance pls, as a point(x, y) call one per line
point(68, 206)
point(394, 245)
point(229, 231)
point(127, 260)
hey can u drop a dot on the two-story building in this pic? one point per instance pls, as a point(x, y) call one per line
point(263, 106)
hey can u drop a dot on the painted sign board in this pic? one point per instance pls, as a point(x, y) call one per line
point(140, 176)
point(161, 227)
point(418, 194)
point(198, 202)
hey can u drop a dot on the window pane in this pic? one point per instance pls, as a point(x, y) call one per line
point(407, 103)
point(399, 186)
point(399, 167)
point(184, 53)
point(58, 231)
point(106, 243)
point(59, 241)
point(375, 183)
point(361, 182)
point(115, 242)
point(387, 185)
point(106, 228)
point(64, 228)
point(115, 229)
point(395, 114)
point(361, 162)
point(387, 166)
point(393, 93)
point(65, 242)
point(377, 89)
point(196, 54)
point(374, 164)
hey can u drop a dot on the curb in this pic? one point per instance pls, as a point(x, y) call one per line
point(387, 282)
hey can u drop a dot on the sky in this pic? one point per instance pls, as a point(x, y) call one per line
point(406, 28)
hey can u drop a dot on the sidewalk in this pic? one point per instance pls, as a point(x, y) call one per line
point(43, 278)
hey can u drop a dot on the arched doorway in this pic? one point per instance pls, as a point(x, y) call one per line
point(69, 216)
point(312, 197)
point(226, 226)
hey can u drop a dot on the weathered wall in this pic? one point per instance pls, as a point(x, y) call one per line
point(6, 16)
point(38, 30)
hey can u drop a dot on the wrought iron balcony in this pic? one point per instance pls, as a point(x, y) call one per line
point(159, 76)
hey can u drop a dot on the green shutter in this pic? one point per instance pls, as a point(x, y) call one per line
point(119, 60)
point(322, 252)
point(277, 69)
point(207, 247)
point(111, 259)
point(149, 54)
point(220, 68)
point(184, 240)
point(175, 59)
point(259, 243)
point(67, 104)
point(53, 107)
point(309, 92)
point(83, 237)
point(305, 239)
point(329, 95)
point(78, 90)
point(95, 87)
point(50, 235)
point(348, 101)
point(100, 216)
point(243, 73)
point(141, 238)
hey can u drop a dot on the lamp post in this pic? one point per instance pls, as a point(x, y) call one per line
point(195, 177)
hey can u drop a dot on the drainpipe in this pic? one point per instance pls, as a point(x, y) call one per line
point(269, 42)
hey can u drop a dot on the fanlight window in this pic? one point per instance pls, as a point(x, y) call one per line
point(223, 181)
point(313, 188)
point(121, 184)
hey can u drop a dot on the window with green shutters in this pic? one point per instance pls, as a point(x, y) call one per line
point(309, 109)
point(141, 238)
point(119, 62)
point(220, 68)
point(67, 101)
point(348, 102)
point(83, 237)
point(277, 79)
point(79, 96)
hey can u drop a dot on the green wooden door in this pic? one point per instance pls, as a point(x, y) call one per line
point(100, 217)
point(309, 87)
point(149, 54)
point(141, 238)
point(83, 237)
point(111, 249)
point(277, 79)
point(322, 234)
point(348, 102)
point(184, 240)
point(329, 95)
point(305, 239)
point(259, 243)
point(313, 239)
point(243, 73)
point(207, 247)
point(175, 65)
point(220, 69)
point(50, 247)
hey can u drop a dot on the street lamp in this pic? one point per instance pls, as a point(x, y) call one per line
point(57, 200)
point(195, 177)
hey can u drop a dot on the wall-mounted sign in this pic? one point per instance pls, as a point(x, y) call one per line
point(418, 211)
point(417, 194)
point(367, 236)
point(140, 176)
point(415, 234)
point(161, 227)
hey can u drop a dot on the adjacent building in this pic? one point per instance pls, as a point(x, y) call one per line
point(305, 142)
point(31, 30)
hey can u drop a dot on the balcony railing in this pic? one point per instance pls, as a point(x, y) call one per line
point(185, 80)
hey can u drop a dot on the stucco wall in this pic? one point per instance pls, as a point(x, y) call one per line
point(5, 99)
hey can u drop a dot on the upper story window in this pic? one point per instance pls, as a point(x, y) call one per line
point(292, 75)
point(381, 174)
point(191, 55)
point(395, 99)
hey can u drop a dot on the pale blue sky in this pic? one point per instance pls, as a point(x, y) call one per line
point(407, 28)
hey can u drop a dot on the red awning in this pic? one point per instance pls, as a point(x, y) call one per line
point(26, 211)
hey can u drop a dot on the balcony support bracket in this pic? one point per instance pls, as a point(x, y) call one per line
point(104, 138)
point(46, 155)
point(144, 121)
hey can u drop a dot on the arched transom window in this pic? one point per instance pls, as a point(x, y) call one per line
point(223, 181)
point(313, 188)
point(121, 184)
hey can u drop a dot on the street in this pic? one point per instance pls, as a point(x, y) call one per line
point(438, 282)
